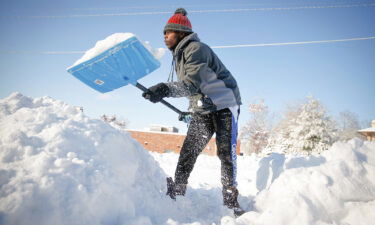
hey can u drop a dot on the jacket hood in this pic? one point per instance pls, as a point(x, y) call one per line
point(184, 42)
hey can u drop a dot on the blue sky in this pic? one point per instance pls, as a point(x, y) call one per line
point(340, 74)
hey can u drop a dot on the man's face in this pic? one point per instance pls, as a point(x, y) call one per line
point(172, 38)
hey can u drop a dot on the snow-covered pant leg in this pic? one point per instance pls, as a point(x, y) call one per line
point(226, 141)
point(199, 134)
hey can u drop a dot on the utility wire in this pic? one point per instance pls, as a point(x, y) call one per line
point(190, 6)
point(200, 11)
point(294, 43)
point(214, 47)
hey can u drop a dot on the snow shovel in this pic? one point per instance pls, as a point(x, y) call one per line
point(119, 66)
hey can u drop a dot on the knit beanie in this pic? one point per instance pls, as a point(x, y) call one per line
point(179, 22)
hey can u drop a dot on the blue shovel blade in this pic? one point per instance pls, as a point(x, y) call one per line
point(123, 64)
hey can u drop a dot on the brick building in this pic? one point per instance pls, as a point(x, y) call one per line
point(166, 139)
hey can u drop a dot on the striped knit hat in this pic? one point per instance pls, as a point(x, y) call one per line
point(179, 22)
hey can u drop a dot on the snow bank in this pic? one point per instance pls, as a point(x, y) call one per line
point(337, 187)
point(58, 166)
point(112, 40)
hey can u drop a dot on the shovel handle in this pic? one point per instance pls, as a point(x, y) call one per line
point(144, 89)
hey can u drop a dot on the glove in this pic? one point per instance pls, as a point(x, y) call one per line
point(156, 93)
point(185, 117)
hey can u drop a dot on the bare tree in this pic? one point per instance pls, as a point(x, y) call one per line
point(255, 133)
point(113, 120)
point(348, 125)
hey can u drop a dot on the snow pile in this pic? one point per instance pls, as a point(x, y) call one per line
point(112, 40)
point(58, 166)
point(337, 187)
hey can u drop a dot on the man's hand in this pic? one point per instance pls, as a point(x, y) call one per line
point(156, 93)
point(185, 117)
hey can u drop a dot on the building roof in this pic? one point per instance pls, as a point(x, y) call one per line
point(370, 129)
point(367, 130)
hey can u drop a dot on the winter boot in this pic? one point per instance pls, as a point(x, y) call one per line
point(174, 189)
point(230, 195)
point(238, 211)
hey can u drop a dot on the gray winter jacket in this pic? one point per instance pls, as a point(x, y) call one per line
point(202, 78)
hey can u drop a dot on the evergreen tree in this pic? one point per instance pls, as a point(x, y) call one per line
point(309, 130)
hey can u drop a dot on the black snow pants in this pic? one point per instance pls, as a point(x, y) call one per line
point(201, 129)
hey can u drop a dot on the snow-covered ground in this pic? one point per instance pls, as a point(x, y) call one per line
point(57, 166)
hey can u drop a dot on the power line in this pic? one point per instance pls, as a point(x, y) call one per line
point(214, 47)
point(202, 5)
point(11, 52)
point(200, 11)
point(282, 8)
point(294, 43)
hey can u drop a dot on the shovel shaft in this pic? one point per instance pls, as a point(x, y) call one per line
point(144, 89)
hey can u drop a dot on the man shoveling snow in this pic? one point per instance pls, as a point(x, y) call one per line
point(214, 100)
